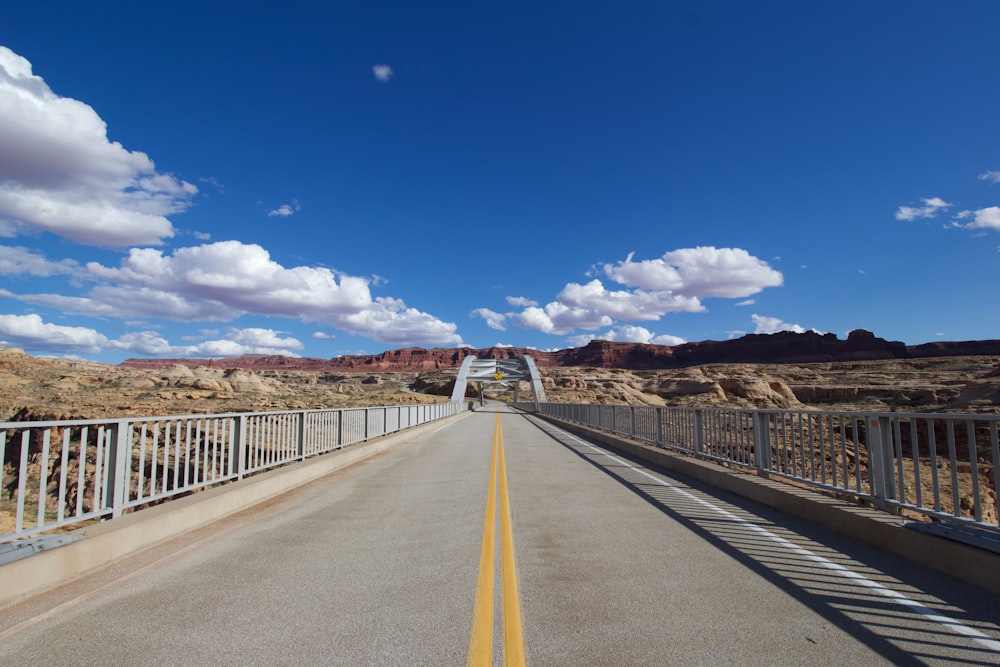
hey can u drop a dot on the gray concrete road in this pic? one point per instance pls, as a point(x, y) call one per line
point(617, 565)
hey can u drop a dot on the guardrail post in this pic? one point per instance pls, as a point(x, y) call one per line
point(880, 450)
point(658, 412)
point(761, 443)
point(699, 436)
point(365, 438)
point(631, 425)
point(238, 458)
point(119, 473)
point(301, 436)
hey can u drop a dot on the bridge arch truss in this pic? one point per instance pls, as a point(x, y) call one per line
point(497, 375)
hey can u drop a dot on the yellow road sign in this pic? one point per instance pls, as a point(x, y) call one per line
point(498, 376)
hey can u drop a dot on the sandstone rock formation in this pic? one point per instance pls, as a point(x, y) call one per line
point(777, 348)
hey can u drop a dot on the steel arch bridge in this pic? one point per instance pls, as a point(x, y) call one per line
point(496, 375)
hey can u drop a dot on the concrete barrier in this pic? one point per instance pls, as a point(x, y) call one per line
point(882, 530)
point(107, 542)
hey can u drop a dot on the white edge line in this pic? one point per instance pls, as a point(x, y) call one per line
point(931, 615)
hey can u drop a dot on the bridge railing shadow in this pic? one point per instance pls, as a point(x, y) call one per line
point(844, 582)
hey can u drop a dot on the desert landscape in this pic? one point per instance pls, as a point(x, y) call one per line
point(785, 371)
point(868, 375)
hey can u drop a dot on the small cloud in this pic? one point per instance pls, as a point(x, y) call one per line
point(322, 335)
point(747, 302)
point(628, 334)
point(932, 206)
point(493, 319)
point(521, 302)
point(769, 325)
point(214, 182)
point(984, 218)
point(383, 73)
point(202, 236)
point(991, 176)
point(285, 210)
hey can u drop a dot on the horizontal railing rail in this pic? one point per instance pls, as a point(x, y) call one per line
point(943, 466)
point(59, 473)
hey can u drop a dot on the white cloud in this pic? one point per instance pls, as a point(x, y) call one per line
point(582, 339)
point(675, 282)
point(992, 176)
point(322, 335)
point(667, 339)
point(220, 281)
point(31, 333)
point(932, 206)
point(16, 260)
point(382, 72)
point(746, 302)
point(984, 218)
point(699, 272)
point(521, 302)
point(285, 210)
point(627, 334)
point(60, 173)
point(769, 325)
point(493, 319)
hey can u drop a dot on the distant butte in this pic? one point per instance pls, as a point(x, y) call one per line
point(777, 348)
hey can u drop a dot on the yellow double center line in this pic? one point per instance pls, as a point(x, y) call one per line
point(481, 640)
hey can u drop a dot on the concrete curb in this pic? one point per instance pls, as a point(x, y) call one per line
point(109, 541)
point(882, 530)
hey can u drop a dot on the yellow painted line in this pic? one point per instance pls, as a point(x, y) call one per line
point(481, 639)
point(513, 641)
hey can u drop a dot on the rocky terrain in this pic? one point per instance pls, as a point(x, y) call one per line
point(33, 388)
point(46, 388)
point(777, 348)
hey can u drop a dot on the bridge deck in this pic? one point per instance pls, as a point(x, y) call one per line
point(617, 564)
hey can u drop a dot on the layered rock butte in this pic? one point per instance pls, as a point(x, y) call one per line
point(777, 348)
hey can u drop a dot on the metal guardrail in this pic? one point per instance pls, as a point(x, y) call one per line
point(59, 473)
point(944, 466)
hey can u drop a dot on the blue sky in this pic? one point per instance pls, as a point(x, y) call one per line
point(213, 179)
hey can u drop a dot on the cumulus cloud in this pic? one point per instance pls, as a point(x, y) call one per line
point(220, 281)
point(521, 302)
point(493, 319)
point(16, 260)
point(32, 334)
point(932, 206)
point(60, 173)
point(675, 282)
point(627, 334)
point(769, 325)
point(285, 210)
point(699, 272)
point(984, 218)
point(992, 176)
point(382, 72)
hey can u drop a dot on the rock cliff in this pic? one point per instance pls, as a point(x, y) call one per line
point(777, 348)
